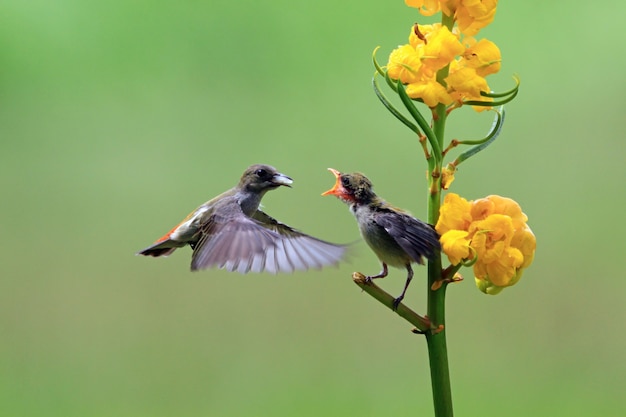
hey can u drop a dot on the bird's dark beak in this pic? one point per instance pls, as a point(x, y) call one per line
point(336, 190)
point(281, 179)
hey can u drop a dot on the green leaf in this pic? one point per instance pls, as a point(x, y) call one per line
point(391, 108)
point(490, 103)
point(481, 144)
point(379, 69)
point(513, 90)
point(423, 124)
point(509, 95)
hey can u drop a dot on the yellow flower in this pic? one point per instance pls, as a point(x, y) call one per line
point(426, 7)
point(404, 64)
point(431, 92)
point(494, 229)
point(433, 47)
point(466, 84)
point(448, 7)
point(473, 15)
point(454, 214)
point(484, 207)
point(456, 245)
point(497, 260)
point(525, 240)
point(441, 48)
point(470, 15)
point(484, 56)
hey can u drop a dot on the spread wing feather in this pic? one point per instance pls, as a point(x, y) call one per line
point(243, 244)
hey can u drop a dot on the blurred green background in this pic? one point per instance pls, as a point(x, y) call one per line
point(118, 118)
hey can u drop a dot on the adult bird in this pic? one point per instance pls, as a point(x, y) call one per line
point(230, 232)
point(396, 237)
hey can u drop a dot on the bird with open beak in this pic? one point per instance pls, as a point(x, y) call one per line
point(231, 232)
point(396, 237)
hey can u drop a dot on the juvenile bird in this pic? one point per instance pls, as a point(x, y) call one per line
point(396, 237)
point(231, 232)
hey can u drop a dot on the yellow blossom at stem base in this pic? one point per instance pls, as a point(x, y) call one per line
point(494, 230)
point(456, 245)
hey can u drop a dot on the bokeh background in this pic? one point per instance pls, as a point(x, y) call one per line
point(117, 118)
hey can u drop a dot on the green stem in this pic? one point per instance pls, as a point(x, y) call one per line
point(437, 348)
point(436, 308)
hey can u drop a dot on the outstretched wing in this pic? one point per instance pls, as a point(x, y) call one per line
point(243, 244)
point(413, 235)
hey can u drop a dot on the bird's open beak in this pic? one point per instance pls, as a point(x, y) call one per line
point(282, 179)
point(336, 190)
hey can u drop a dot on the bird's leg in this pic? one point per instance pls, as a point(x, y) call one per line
point(409, 276)
point(381, 274)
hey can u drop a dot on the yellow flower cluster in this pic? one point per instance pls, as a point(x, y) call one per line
point(491, 231)
point(470, 15)
point(433, 47)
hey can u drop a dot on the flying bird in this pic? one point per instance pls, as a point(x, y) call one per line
point(230, 232)
point(396, 237)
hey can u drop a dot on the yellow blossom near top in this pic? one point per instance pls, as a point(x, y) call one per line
point(484, 56)
point(473, 15)
point(440, 48)
point(426, 7)
point(433, 47)
point(466, 84)
point(492, 229)
point(430, 92)
point(405, 64)
point(469, 15)
point(430, 48)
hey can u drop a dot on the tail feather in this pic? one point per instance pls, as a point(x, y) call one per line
point(164, 248)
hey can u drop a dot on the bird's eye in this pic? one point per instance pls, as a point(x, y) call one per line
point(345, 181)
point(261, 173)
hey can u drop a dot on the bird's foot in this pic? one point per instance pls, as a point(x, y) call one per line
point(370, 278)
point(396, 302)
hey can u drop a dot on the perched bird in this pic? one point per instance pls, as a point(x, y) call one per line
point(231, 232)
point(396, 237)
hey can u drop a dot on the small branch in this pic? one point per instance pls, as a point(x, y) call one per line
point(423, 139)
point(422, 324)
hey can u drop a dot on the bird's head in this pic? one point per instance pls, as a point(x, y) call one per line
point(260, 178)
point(352, 188)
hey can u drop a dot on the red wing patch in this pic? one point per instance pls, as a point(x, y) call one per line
point(168, 234)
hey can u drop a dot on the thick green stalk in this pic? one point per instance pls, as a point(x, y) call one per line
point(437, 348)
point(436, 309)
